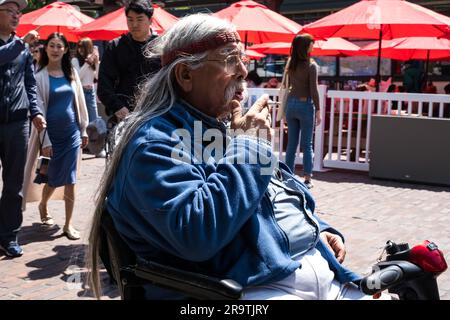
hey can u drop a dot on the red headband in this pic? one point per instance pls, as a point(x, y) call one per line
point(211, 43)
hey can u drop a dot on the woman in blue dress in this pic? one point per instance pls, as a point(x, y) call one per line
point(60, 94)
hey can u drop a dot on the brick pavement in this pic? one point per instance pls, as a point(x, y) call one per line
point(52, 266)
point(367, 211)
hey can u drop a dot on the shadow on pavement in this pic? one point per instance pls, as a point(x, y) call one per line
point(65, 257)
point(109, 289)
point(38, 233)
point(68, 263)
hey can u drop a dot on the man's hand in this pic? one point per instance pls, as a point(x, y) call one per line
point(335, 244)
point(122, 113)
point(31, 37)
point(39, 123)
point(256, 121)
point(84, 142)
point(47, 152)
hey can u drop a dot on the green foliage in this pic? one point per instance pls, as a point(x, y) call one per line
point(37, 4)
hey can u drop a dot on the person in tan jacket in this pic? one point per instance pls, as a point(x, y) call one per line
point(60, 96)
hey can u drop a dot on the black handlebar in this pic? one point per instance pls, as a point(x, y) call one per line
point(404, 278)
point(381, 280)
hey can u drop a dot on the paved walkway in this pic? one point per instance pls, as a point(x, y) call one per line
point(368, 212)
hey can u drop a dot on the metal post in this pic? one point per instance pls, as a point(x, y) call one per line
point(319, 135)
point(378, 76)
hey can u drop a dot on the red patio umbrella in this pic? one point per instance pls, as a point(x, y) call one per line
point(114, 24)
point(55, 17)
point(381, 19)
point(258, 24)
point(390, 18)
point(413, 48)
point(330, 47)
point(254, 55)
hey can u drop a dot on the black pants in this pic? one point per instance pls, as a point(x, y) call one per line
point(13, 152)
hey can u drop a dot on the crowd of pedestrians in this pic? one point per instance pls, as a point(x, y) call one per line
point(43, 81)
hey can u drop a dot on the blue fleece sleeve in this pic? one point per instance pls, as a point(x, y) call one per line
point(10, 51)
point(196, 209)
point(31, 88)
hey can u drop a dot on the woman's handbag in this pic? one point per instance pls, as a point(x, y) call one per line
point(42, 165)
point(284, 93)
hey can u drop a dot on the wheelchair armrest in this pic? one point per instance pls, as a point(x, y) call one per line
point(192, 284)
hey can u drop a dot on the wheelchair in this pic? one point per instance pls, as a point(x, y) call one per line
point(132, 273)
point(409, 273)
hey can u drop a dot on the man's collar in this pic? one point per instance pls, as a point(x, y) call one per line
point(151, 36)
point(209, 121)
point(11, 36)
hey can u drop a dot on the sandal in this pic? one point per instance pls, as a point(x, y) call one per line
point(46, 219)
point(71, 234)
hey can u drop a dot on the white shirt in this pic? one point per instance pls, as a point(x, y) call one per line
point(87, 74)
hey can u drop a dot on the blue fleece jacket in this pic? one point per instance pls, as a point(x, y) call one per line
point(209, 216)
point(17, 82)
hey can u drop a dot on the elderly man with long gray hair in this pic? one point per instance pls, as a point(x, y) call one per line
point(184, 189)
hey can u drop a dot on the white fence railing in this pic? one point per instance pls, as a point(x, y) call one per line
point(342, 140)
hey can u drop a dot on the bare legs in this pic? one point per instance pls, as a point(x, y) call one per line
point(46, 194)
point(46, 219)
point(69, 200)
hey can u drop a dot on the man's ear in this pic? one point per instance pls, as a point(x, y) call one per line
point(183, 76)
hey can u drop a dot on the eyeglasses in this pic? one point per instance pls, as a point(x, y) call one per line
point(233, 62)
point(12, 13)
